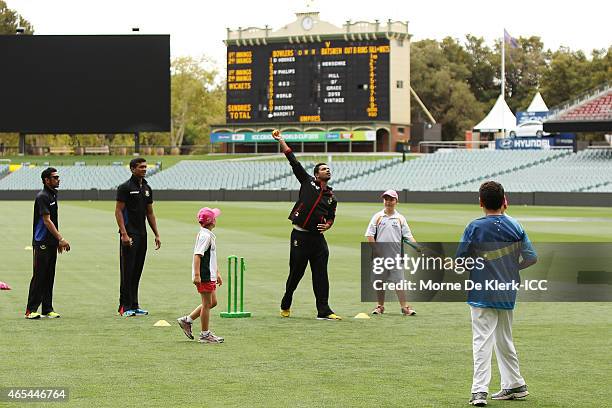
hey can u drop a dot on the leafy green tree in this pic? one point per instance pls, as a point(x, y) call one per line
point(601, 67)
point(571, 73)
point(457, 57)
point(525, 66)
point(198, 100)
point(439, 75)
point(483, 70)
point(566, 76)
point(10, 20)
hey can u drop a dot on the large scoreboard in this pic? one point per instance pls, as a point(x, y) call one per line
point(327, 81)
point(84, 83)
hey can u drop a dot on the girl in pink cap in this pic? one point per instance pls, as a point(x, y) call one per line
point(205, 276)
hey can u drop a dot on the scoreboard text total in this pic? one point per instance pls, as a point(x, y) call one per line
point(309, 82)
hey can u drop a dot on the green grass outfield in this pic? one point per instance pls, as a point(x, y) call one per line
point(388, 361)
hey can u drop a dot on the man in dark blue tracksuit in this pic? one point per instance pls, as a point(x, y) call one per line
point(47, 242)
point(311, 216)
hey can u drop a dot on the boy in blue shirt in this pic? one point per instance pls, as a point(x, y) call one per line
point(504, 245)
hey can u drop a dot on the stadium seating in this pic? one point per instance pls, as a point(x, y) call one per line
point(602, 188)
point(214, 175)
point(449, 169)
point(599, 108)
point(589, 170)
point(250, 175)
point(72, 177)
point(446, 170)
point(342, 171)
point(592, 105)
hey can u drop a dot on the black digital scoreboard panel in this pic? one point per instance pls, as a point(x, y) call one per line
point(84, 83)
point(327, 81)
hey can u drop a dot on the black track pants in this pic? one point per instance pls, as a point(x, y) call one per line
point(308, 247)
point(41, 285)
point(132, 259)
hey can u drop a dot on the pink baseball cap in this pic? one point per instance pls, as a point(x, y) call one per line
point(207, 215)
point(391, 193)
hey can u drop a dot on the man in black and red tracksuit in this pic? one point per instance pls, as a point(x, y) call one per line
point(312, 215)
point(46, 243)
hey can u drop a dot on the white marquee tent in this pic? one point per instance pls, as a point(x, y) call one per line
point(499, 118)
point(537, 104)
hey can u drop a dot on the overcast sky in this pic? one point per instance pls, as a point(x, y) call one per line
point(198, 27)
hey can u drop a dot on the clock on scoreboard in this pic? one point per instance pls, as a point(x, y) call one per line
point(327, 81)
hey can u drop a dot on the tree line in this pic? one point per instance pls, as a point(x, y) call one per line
point(458, 81)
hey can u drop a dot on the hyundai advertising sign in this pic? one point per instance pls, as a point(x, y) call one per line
point(567, 140)
point(523, 143)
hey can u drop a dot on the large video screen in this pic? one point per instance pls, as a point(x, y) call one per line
point(85, 84)
point(325, 81)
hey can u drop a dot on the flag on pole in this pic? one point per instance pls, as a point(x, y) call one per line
point(510, 39)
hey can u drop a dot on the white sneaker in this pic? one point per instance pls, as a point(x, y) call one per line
point(479, 399)
point(512, 393)
point(186, 326)
point(210, 338)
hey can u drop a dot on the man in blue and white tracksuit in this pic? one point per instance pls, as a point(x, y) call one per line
point(505, 247)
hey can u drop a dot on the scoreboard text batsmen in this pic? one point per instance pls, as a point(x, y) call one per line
point(310, 82)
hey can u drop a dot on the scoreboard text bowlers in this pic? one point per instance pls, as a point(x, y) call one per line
point(309, 82)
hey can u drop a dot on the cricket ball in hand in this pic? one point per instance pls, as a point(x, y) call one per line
point(275, 132)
